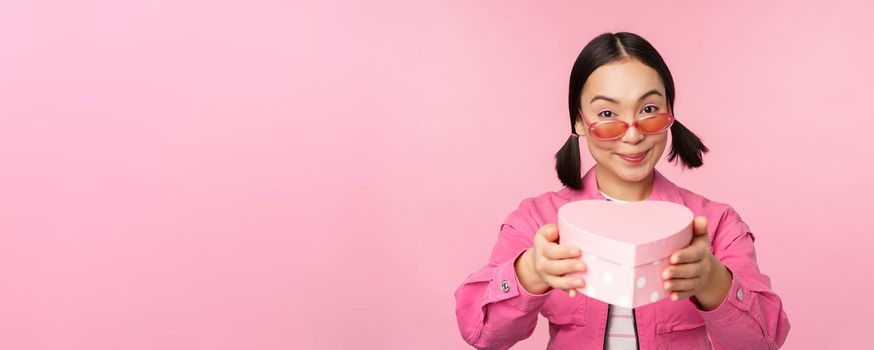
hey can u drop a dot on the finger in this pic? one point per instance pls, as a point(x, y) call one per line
point(545, 236)
point(564, 282)
point(682, 271)
point(702, 241)
point(681, 295)
point(549, 232)
point(692, 253)
point(572, 293)
point(563, 266)
point(560, 251)
point(681, 284)
point(699, 226)
point(540, 241)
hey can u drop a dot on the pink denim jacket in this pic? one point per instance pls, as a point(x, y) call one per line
point(494, 311)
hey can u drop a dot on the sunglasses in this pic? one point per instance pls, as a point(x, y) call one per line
point(612, 129)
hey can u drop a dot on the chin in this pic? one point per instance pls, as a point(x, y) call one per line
point(635, 174)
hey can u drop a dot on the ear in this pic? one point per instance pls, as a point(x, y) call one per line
point(580, 127)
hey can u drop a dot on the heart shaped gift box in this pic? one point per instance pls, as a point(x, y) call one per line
point(625, 246)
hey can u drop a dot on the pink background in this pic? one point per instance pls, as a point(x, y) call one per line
point(266, 175)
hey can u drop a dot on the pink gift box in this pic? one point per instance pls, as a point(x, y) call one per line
point(625, 246)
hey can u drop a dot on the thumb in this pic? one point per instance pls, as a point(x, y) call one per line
point(699, 226)
point(550, 232)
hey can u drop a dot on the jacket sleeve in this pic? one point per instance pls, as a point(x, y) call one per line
point(493, 310)
point(752, 315)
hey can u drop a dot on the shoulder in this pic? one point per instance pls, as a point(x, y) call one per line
point(723, 221)
point(547, 201)
point(536, 211)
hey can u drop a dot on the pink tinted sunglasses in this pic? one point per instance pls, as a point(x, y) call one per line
point(612, 129)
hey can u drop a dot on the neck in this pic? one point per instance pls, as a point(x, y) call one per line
point(623, 190)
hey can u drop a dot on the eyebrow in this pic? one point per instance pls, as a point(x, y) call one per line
point(605, 98)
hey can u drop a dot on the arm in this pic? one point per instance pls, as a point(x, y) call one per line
point(751, 315)
point(493, 310)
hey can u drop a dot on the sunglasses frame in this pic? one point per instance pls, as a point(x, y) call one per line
point(634, 124)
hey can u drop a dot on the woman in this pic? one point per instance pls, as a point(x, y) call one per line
point(621, 102)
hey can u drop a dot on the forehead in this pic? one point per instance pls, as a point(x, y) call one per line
point(624, 80)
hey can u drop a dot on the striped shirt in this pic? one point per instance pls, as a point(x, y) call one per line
point(621, 330)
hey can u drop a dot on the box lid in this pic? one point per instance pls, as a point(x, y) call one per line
point(631, 233)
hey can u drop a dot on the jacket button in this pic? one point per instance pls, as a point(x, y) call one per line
point(740, 294)
point(505, 286)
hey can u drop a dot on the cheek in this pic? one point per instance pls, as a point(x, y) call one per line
point(659, 143)
point(600, 150)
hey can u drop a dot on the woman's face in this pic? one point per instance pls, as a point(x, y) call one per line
point(626, 90)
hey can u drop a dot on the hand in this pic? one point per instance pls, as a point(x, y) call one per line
point(544, 265)
point(694, 271)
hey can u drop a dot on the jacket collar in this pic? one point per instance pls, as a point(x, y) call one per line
point(662, 188)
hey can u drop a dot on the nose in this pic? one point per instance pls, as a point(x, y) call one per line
point(632, 135)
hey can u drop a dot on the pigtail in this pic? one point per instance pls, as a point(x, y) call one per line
point(686, 145)
point(567, 163)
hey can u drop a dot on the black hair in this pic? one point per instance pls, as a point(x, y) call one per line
point(607, 48)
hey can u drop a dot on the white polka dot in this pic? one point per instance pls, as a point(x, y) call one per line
point(641, 282)
point(626, 267)
point(590, 258)
point(657, 262)
point(591, 291)
point(608, 277)
point(654, 296)
point(623, 301)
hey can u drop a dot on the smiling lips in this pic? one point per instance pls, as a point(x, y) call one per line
point(634, 158)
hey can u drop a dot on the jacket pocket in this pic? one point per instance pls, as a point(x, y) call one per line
point(561, 309)
point(680, 326)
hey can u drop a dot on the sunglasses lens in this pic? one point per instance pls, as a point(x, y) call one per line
point(609, 129)
point(654, 124)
